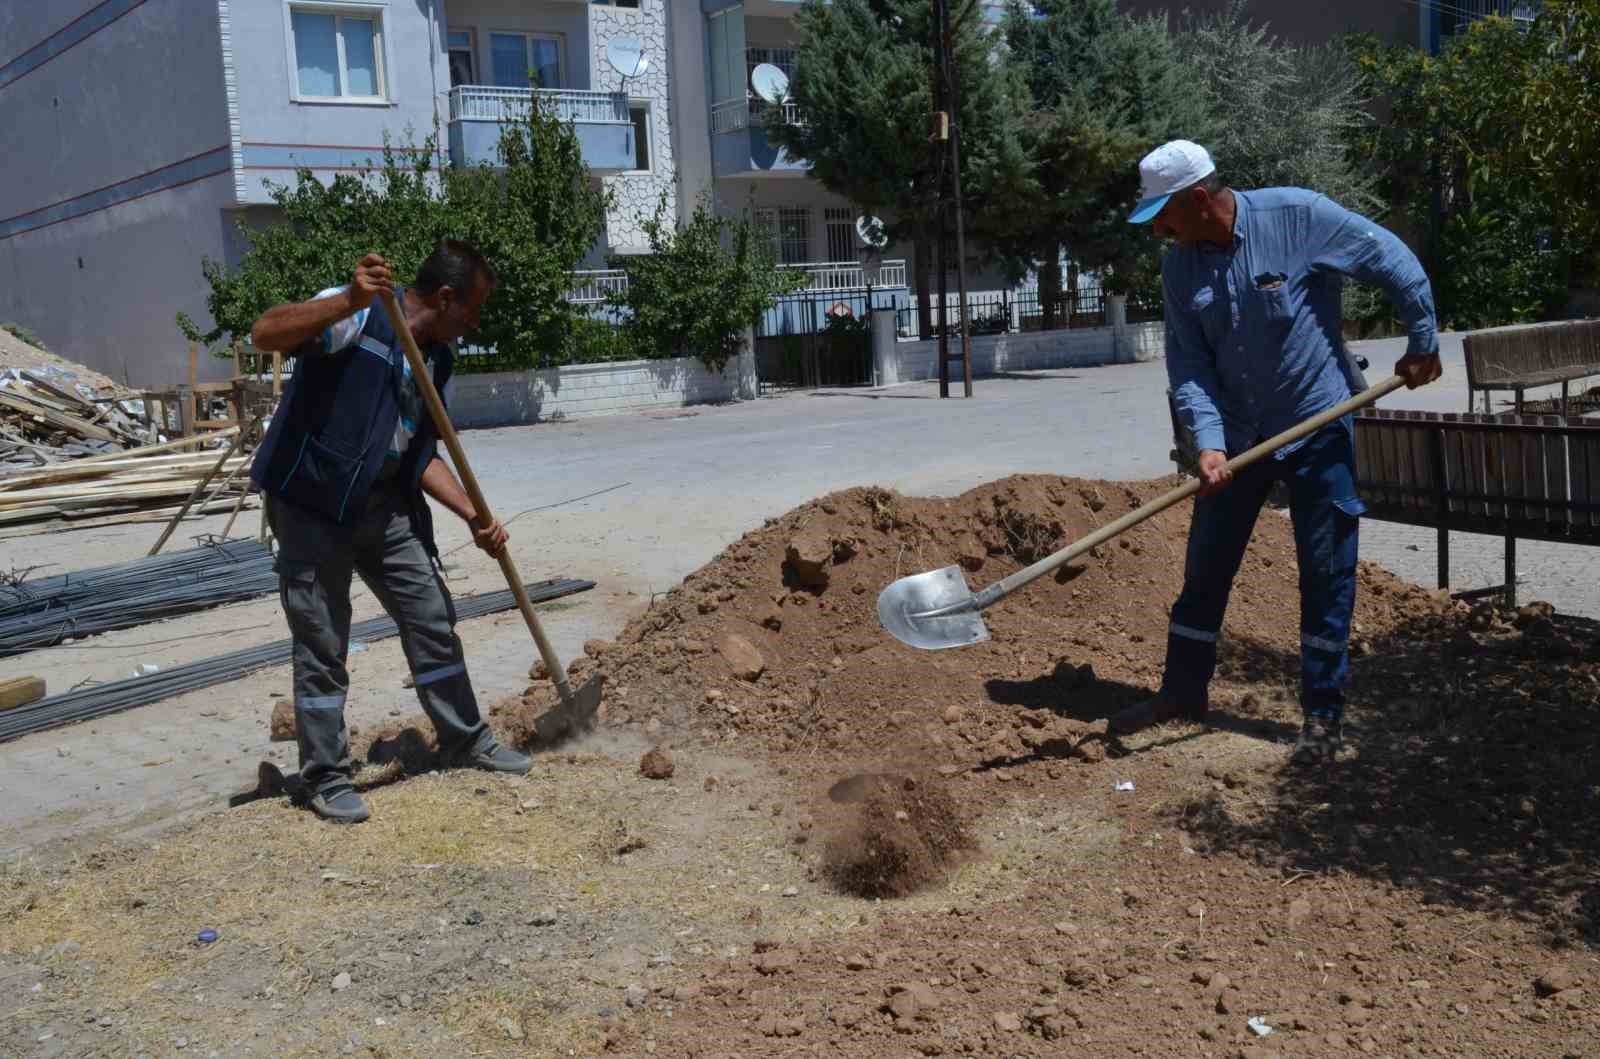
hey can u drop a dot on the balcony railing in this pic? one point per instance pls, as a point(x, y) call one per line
point(732, 115)
point(483, 103)
point(593, 286)
point(849, 275)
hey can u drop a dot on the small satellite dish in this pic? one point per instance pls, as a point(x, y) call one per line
point(626, 56)
point(869, 230)
point(770, 83)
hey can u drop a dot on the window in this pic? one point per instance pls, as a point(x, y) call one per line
point(794, 235)
point(516, 59)
point(615, 3)
point(841, 233)
point(767, 225)
point(640, 113)
point(463, 66)
point(337, 53)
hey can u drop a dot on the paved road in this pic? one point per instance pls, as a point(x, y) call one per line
point(634, 504)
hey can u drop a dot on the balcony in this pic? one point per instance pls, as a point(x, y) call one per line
point(848, 275)
point(600, 119)
point(739, 142)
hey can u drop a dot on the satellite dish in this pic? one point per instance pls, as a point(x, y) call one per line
point(626, 56)
point(770, 83)
point(869, 230)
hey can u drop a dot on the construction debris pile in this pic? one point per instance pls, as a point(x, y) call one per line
point(48, 415)
point(142, 479)
point(45, 611)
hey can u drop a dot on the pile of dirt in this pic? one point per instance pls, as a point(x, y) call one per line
point(902, 836)
point(776, 642)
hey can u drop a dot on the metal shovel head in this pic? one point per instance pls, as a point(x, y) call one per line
point(903, 607)
point(575, 717)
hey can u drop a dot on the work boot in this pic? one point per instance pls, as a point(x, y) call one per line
point(340, 804)
point(493, 757)
point(1152, 711)
point(1319, 742)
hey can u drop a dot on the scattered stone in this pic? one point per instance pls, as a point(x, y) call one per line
point(283, 730)
point(742, 657)
point(1229, 1002)
point(636, 996)
point(1555, 980)
point(778, 962)
point(512, 1028)
point(656, 764)
point(807, 559)
point(1197, 910)
point(772, 618)
point(1007, 1022)
point(341, 981)
point(774, 1026)
point(791, 891)
point(1299, 912)
point(952, 714)
point(537, 671)
point(857, 963)
point(764, 944)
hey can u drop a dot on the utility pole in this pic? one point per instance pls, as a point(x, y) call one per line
point(947, 155)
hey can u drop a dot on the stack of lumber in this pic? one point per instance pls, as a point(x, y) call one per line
point(138, 480)
point(46, 417)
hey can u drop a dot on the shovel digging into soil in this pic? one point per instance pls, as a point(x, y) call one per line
point(577, 710)
point(937, 610)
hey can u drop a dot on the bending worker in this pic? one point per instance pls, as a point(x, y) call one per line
point(1254, 346)
point(345, 465)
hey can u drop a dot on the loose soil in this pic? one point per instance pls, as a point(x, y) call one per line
point(865, 850)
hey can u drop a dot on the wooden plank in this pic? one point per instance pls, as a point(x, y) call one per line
point(59, 420)
point(51, 388)
point(165, 446)
point(1454, 472)
point(80, 469)
point(1507, 449)
point(19, 691)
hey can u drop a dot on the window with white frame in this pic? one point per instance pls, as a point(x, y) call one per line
point(338, 52)
point(841, 227)
point(794, 234)
point(639, 112)
point(463, 58)
point(517, 60)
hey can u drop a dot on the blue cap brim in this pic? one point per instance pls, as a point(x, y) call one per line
point(1147, 209)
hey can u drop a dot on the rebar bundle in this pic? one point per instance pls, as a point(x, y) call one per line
point(43, 612)
point(88, 703)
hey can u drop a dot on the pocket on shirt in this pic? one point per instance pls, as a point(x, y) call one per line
point(1272, 303)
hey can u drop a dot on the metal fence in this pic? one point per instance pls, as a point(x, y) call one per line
point(483, 103)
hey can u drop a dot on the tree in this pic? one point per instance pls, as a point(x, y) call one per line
point(1473, 157)
point(700, 286)
point(1105, 88)
point(863, 85)
point(535, 217)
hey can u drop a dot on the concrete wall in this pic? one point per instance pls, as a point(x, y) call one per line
point(116, 155)
point(691, 103)
point(1028, 351)
point(513, 398)
point(277, 133)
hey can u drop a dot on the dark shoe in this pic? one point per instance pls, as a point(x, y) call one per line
point(495, 758)
point(340, 804)
point(1319, 742)
point(1152, 711)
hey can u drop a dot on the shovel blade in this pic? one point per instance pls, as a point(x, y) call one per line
point(900, 605)
point(570, 718)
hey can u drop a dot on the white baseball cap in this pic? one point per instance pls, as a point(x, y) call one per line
point(1166, 171)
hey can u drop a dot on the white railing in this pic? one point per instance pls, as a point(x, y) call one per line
point(731, 115)
point(848, 275)
point(593, 285)
point(482, 103)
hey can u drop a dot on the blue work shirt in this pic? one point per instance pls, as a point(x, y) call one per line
point(1254, 331)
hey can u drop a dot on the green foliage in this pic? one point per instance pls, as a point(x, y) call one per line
point(25, 335)
point(535, 219)
point(700, 286)
point(863, 85)
point(1105, 88)
point(1473, 158)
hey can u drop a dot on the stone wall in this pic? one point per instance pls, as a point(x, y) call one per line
point(636, 196)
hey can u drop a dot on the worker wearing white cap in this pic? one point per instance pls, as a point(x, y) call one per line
point(1254, 345)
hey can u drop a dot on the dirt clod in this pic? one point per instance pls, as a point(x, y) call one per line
point(283, 729)
point(656, 764)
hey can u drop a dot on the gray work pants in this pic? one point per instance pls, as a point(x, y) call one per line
point(315, 561)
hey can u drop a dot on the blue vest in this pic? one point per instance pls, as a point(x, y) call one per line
point(330, 435)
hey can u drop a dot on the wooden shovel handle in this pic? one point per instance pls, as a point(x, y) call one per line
point(480, 504)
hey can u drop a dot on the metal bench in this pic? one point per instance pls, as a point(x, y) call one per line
point(1517, 477)
point(1524, 357)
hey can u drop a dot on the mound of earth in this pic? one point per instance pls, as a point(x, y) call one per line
point(777, 642)
point(15, 353)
